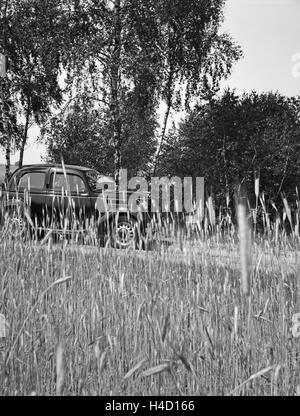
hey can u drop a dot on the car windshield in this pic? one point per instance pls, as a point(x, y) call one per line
point(97, 182)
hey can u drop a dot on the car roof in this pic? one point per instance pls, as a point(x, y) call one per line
point(52, 165)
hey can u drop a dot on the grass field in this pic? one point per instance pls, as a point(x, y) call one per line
point(213, 313)
point(95, 322)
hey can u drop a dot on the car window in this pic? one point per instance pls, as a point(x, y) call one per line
point(92, 177)
point(99, 182)
point(32, 181)
point(72, 183)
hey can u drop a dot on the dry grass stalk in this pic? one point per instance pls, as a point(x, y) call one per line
point(4, 326)
point(253, 377)
point(235, 320)
point(57, 282)
point(165, 327)
point(135, 368)
point(102, 361)
point(288, 211)
point(211, 211)
point(60, 370)
point(245, 249)
point(158, 369)
point(256, 187)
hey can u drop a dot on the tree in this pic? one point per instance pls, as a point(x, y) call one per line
point(34, 43)
point(81, 135)
point(196, 55)
point(145, 47)
point(9, 129)
point(231, 139)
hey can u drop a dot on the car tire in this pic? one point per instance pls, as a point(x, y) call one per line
point(14, 222)
point(125, 232)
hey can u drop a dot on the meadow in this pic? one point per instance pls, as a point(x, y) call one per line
point(198, 317)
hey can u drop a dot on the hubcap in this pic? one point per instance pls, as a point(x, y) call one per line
point(125, 234)
point(16, 225)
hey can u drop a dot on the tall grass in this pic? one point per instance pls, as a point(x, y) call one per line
point(173, 321)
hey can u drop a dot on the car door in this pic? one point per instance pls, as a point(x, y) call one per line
point(68, 202)
point(29, 189)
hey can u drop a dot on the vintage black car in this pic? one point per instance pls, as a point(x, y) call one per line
point(70, 199)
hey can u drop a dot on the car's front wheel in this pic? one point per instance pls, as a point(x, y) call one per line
point(14, 222)
point(125, 232)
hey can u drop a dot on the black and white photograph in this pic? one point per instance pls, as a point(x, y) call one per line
point(149, 201)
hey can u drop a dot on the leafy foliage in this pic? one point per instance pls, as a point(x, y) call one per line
point(120, 59)
point(81, 135)
point(9, 131)
point(231, 139)
point(32, 40)
point(140, 51)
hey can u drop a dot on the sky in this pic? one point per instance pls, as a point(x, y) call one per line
point(268, 32)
